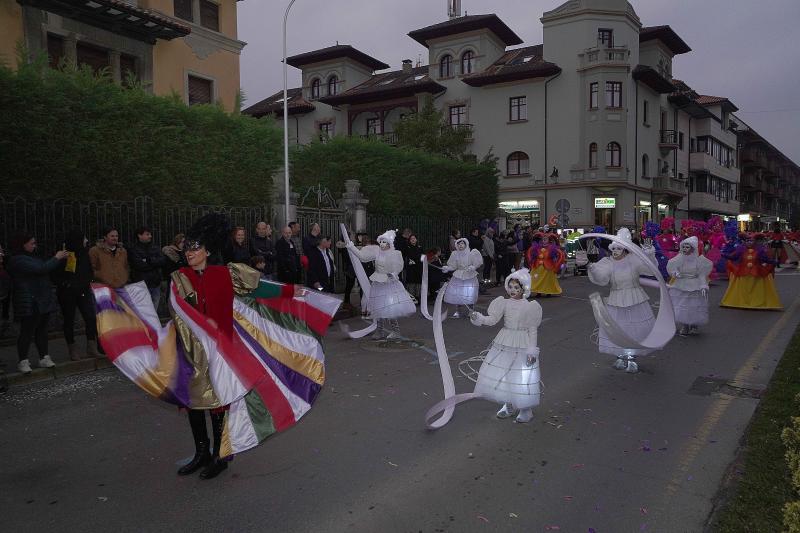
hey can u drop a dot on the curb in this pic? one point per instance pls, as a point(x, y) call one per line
point(60, 371)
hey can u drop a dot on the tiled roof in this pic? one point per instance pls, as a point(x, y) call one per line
point(274, 104)
point(710, 100)
point(517, 64)
point(667, 36)
point(395, 84)
point(465, 24)
point(335, 52)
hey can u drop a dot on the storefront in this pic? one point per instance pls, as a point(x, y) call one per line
point(604, 208)
point(645, 212)
point(523, 212)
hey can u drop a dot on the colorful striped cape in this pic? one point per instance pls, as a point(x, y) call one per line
point(269, 373)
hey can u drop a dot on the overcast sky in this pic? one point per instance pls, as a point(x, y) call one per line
point(744, 50)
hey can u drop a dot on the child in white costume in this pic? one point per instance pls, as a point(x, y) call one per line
point(510, 371)
point(627, 303)
point(688, 286)
point(464, 264)
point(388, 299)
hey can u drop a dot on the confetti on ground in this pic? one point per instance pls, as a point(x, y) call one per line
point(391, 463)
point(512, 515)
point(567, 498)
point(643, 510)
point(483, 518)
point(577, 465)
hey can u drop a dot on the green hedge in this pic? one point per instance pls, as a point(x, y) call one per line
point(399, 181)
point(791, 439)
point(71, 134)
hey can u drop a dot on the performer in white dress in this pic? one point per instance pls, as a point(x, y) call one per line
point(463, 286)
point(627, 303)
point(510, 371)
point(688, 286)
point(388, 299)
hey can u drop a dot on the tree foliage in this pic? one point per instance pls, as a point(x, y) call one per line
point(73, 134)
point(399, 181)
point(428, 130)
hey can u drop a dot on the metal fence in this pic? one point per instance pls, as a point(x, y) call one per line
point(430, 231)
point(49, 220)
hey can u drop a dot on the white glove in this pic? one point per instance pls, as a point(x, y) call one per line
point(446, 269)
point(677, 274)
point(648, 249)
point(412, 262)
point(474, 316)
point(471, 268)
point(704, 292)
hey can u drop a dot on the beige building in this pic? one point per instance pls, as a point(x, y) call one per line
point(186, 47)
point(590, 127)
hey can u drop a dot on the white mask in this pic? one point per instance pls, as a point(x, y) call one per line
point(384, 245)
point(687, 249)
point(514, 290)
point(461, 246)
point(617, 253)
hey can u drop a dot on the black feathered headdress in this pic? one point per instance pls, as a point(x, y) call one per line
point(211, 230)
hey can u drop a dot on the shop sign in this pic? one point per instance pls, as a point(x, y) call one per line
point(605, 203)
point(520, 205)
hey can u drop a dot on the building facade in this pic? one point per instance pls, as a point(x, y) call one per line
point(590, 127)
point(186, 47)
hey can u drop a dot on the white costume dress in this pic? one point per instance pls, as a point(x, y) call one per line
point(688, 285)
point(627, 303)
point(387, 296)
point(504, 375)
point(463, 286)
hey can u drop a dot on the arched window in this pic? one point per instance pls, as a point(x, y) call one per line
point(517, 164)
point(613, 155)
point(315, 88)
point(333, 85)
point(645, 166)
point(593, 155)
point(446, 66)
point(468, 62)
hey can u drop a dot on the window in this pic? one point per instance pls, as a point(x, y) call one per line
point(315, 88)
point(680, 140)
point(593, 155)
point(201, 90)
point(183, 9)
point(446, 66)
point(333, 85)
point(518, 108)
point(593, 89)
point(645, 166)
point(325, 131)
point(614, 94)
point(374, 126)
point(517, 164)
point(644, 113)
point(96, 58)
point(209, 15)
point(468, 62)
point(458, 115)
point(605, 37)
point(55, 50)
point(613, 155)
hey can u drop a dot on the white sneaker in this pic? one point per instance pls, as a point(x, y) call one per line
point(46, 362)
point(620, 363)
point(506, 411)
point(24, 366)
point(524, 416)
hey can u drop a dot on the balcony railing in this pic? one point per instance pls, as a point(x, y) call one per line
point(602, 55)
point(469, 128)
point(388, 138)
point(669, 139)
point(670, 185)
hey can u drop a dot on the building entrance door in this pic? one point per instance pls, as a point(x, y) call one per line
point(604, 217)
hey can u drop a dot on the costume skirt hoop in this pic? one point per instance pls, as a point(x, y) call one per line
point(636, 320)
point(751, 292)
point(691, 307)
point(544, 281)
point(504, 376)
point(461, 291)
point(389, 299)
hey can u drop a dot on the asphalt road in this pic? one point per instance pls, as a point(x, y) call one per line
point(606, 451)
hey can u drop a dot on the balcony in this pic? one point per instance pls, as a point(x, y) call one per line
point(703, 162)
point(668, 140)
point(669, 186)
point(469, 128)
point(388, 138)
point(602, 56)
point(749, 182)
point(703, 201)
point(771, 190)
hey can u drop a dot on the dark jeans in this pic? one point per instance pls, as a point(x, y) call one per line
point(487, 267)
point(32, 328)
point(80, 298)
point(5, 307)
point(350, 283)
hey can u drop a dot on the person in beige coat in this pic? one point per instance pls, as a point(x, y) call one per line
point(109, 260)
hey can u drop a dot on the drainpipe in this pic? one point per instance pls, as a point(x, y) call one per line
point(689, 171)
point(543, 211)
point(636, 139)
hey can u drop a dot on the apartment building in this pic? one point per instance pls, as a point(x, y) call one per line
point(590, 127)
point(187, 47)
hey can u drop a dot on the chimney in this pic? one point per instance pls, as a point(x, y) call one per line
point(453, 8)
point(407, 66)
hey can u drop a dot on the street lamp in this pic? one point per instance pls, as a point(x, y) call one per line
point(286, 119)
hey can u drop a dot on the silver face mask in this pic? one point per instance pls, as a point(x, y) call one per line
point(617, 253)
point(384, 245)
point(687, 249)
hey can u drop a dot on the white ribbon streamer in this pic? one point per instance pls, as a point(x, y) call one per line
point(664, 326)
point(423, 296)
point(366, 285)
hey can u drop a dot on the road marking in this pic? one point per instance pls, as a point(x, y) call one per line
point(715, 413)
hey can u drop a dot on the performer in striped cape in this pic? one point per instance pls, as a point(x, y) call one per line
point(244, 349)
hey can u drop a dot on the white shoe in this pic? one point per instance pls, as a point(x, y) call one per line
point(620, 363)
point(46, 362)
point(632, 368)
point(524, 416)
point(456, 315)
point(24, 366)
point(507, 411)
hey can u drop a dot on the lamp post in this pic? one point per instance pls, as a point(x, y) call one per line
point(286, 119)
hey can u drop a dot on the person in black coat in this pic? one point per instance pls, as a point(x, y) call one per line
point(32, 298)
point(146, 260)
point(321, 269)
point(412, 252)
point(287, 260)
point(236, 249)
point(73, 279)
point(474, 239)
point(263, 246)
point(311, 240)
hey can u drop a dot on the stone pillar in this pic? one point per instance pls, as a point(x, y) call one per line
point(279, 201)
point(71, 50)
point(116, 69)
point(354, 202)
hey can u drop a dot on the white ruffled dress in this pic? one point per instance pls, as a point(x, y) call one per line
point(387, 296)
point(627, 303)
point(504, 375)
point(689, 278)
point(462, 289)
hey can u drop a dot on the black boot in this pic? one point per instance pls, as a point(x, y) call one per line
point(216, 465)
point(202, 456)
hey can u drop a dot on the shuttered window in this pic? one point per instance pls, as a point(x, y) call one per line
point(209, 15)
point(183, 9)
point(200, 91)
point(96, 58)
point(55, 49)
